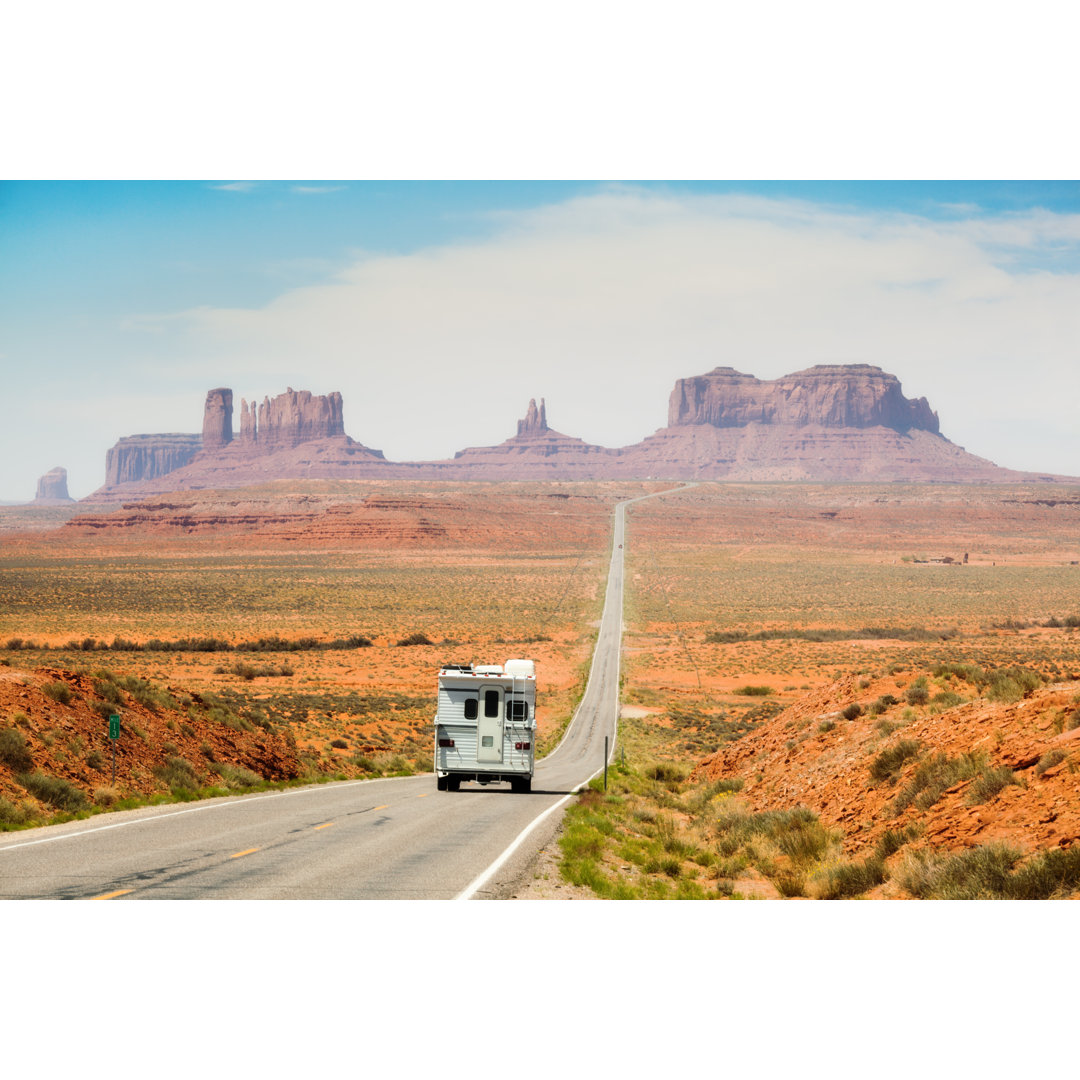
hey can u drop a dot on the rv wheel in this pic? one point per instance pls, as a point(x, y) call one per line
point(440, 782)
point(453, 783)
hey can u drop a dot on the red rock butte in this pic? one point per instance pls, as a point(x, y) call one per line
point(829, 423)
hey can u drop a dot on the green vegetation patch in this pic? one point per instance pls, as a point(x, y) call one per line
point(887, 765)
point(990, 872)
point(934, 777)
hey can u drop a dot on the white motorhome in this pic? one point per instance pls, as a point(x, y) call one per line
point(485, 726)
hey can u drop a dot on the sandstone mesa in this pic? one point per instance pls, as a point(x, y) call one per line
point(828, 423)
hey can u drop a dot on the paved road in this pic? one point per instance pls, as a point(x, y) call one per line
point(373, 839)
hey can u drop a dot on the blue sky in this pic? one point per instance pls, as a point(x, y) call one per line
point(439, 308)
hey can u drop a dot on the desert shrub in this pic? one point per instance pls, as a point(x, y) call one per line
point(178, 773)
point(1048, 874)
point(891, 760)
point(94, 760)
point(917, 695)
point(146, 694)
point(804, 838)
point(883, 703)
point(104, 709)
point(826, 726)
point(728, 786)
point(339, 744)
point(847, 879)
point(753, 691)
point(58, 691)
point(790, 882)
point(1049, 760)
point(53, 790)
point(892, 840)
point(1012, 683)
point(10, 814)
point(945, 700)
point(108, 691)
point(988, 783)
point(978, 873)
point(971, 673)
point(990, 872)
point(933, 777)
point(416, 639)
point(665, 772)
point(394, 765)
point(13, 750)
point(852, 711)
point(105, 796)
point(235, 776)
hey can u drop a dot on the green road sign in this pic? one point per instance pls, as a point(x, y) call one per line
point(114, 726)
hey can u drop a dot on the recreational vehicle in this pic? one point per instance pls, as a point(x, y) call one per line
point(485, 726)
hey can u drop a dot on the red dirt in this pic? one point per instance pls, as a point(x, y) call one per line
point(59, 737)
point(829, 771)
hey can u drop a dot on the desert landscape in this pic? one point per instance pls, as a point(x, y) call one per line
point(828, 689)
point(308, 619)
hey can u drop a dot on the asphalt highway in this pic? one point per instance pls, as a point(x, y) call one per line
point(374, 839)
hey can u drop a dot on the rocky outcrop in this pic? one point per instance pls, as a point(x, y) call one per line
point(535, 422)
point(826, 424)
point(217, 418)
point(146, 457)
point(828, 396)
point(52, 488)
point(292, 418)
point(536, 448)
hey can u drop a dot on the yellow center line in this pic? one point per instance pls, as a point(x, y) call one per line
point(247, 852)
point(383, 807)
point(324, 825)
point(110, 895)
point(424, 796)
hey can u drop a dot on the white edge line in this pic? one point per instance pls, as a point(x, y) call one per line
point(226, 803)
point(478, 883)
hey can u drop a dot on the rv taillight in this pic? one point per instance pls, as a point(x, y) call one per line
point(446, 742)
point(523, 746)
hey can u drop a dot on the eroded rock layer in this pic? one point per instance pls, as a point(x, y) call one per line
point(827, 396)
point(137, 458)
point(826, 424)
point(52, 487)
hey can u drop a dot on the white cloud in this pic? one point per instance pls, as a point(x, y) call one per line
point(243, 186)
point(302, 189)
point(601, 302)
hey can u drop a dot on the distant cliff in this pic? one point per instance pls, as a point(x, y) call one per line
point(835, 422)
point(146, 457)
point(52, 487)
point(292, 418)
point(829, 396)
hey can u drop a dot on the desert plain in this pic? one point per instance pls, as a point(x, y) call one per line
point(827, 689)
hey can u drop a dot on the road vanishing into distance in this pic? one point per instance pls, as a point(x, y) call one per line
point(391, 839)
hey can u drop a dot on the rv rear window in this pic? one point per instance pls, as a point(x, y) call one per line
point(517, 710)
point(472, 707)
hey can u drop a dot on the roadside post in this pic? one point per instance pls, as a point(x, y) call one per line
point(605, 762)
point(114, 734)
